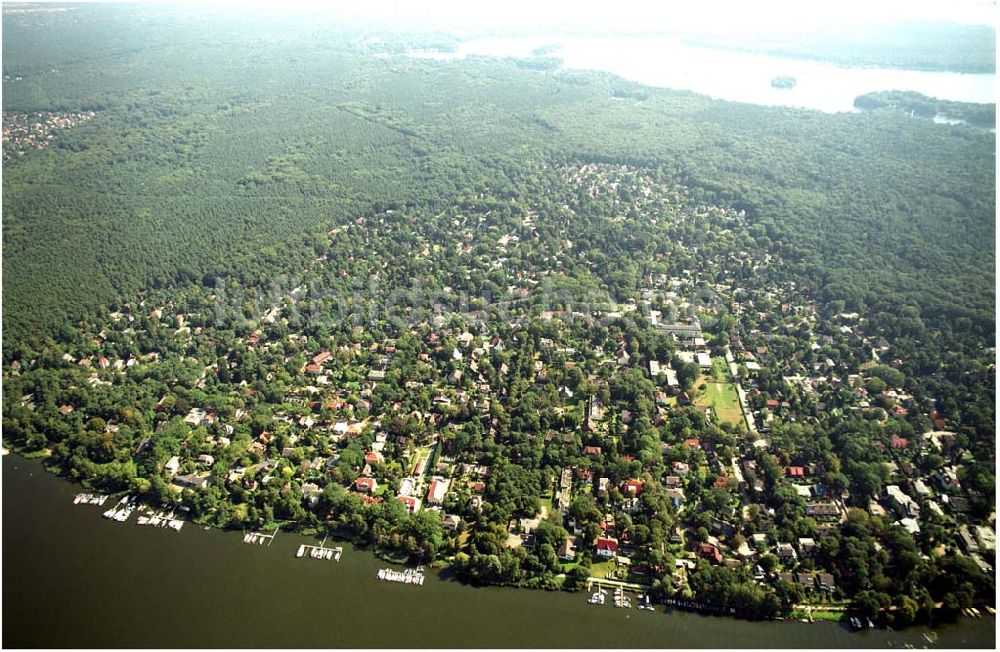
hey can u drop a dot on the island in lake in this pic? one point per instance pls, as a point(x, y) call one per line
point(784, 82)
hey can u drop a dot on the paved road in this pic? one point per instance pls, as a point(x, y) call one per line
point(747, 417)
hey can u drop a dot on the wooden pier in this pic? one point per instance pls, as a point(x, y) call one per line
point(259, 538)
point(614, 584)
point(320, 551)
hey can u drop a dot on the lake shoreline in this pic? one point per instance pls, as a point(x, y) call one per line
point(725, 74)
point(443, 574)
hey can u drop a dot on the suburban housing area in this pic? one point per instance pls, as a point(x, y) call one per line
point(700, 425)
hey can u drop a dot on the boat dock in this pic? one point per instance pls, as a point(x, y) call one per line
point(598, 598)
point(320, 552)
point(622, 600)
point(259, 538)
point(90, 499)
point(122, 510)
point(408, 576)
point(160, 519)
point(699, 606)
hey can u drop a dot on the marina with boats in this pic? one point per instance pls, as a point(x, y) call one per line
point(123, 509)
point(259, 538)
point(408, 576)
point(159, 519)
point(320, 551)
point(622, 600)
point(90, 499)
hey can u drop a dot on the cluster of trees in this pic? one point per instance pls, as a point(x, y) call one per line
point(386, 525)
point(923, 106)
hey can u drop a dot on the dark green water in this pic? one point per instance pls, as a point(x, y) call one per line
point(72, 578)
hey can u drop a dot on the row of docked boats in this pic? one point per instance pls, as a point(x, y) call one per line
point(598, 598)
point(858, 623)
point(254, 537)
point(408, 576)
point(318, 552)
point(161, 519)
point(621, 600)
point(90, 499)
point(122, 510)
point(700, 606)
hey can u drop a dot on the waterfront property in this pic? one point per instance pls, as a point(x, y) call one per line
point(214, 616)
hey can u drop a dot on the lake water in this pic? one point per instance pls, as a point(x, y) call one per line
point(730, 75)
point(72, 578)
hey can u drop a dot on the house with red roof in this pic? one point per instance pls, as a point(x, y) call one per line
point(436, 491)
point(692, 443)
point(632, 487)
point(366, 485)
point(795, 472)
point(899, 442)
point(606, 547)
point(709, 552)
point(410, 503)
point(322, 357)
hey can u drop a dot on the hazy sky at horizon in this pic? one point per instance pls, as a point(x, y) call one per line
point(710, 15)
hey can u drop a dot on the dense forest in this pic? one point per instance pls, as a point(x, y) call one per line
point(288, 276)
point(928, 108)
point(308, 133)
